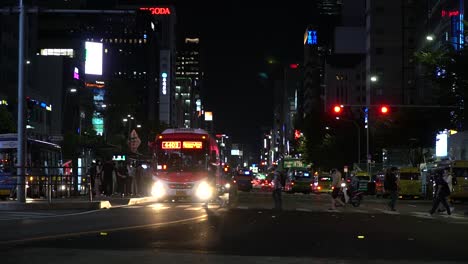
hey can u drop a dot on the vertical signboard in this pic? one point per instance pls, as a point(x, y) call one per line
point(165, 87)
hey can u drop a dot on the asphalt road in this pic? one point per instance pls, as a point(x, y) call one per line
point(187, 233)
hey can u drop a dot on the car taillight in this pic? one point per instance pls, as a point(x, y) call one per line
point(234, 181)
point(318, 187)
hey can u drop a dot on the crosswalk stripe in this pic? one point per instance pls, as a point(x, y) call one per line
point(25, 213)
point(183, 206)
point(422, 215)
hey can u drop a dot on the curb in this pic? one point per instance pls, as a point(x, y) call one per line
point(72, 205)
point(56, 206)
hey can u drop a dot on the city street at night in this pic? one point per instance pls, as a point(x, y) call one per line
point(187, 233)
point(233, 132)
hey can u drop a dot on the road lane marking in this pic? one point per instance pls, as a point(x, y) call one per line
point(242, 207)
point(183, 206)
point(303, 210)
point(98, 231)
point(193, 208)
point(134, 207)
point(55, 216)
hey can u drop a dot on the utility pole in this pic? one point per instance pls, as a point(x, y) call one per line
point(21, 148)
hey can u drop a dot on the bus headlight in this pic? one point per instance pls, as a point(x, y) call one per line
point(204, 191)
point(157, 190)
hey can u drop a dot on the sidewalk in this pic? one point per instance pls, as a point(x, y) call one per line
point(73, 203)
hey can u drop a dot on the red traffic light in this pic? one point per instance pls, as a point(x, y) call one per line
point(297, 134)
point(337, 109)
point(384, 109)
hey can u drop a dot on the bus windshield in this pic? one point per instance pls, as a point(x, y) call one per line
point(460, 172)
point(182, 160)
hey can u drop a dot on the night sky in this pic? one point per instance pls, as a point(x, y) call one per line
point(237, 39)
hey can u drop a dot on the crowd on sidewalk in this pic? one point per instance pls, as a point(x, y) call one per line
point(123, 178)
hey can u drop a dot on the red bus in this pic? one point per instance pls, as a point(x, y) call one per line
point(187, 165)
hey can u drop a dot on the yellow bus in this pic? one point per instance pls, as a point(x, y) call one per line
point(459, 171)
point(410, 182)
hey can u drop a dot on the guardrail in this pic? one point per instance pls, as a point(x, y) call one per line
point(48, 182)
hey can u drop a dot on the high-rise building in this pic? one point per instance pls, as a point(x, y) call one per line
point(312, 103)
point(392, 33)
point(345, 77)
point(188, 83)
point(135, 48)
point(443, 29)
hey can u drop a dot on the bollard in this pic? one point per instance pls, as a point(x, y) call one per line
point(49, 189)
point(90, 191)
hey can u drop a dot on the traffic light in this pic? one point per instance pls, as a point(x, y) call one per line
point(337, 109)
point(297, 134)
point(384, 109)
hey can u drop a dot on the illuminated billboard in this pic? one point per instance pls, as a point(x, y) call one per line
point(208, 116)
point(441, 144)
point(93, 58)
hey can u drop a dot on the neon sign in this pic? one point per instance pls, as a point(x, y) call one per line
point(446, 13)
point(164, 83)
point(157, 10)
point(76, 74)
point(94, 85)
point(192, 145)
point(171, 145)
point(311, 37)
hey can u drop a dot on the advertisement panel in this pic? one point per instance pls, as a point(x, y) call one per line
point(93, 58)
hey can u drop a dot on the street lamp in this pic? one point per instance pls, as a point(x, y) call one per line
point(429, 37)
point(138, 126)
point(373, 78)
point(125, 119)
point(73, 90)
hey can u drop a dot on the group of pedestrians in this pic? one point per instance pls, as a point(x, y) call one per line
point(122, 178)
point(442, 184)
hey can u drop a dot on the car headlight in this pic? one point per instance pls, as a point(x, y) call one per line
point(227, 185)
point(343, 184)
point(204, 191)
point(157, 190)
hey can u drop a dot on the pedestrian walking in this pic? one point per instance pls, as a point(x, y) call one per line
point(131, 180)
point(391, 185)
point(277, 189)
point(442, 191)
point(336, 187)
point(122, 175)
point(108, 170)
point(447, 177)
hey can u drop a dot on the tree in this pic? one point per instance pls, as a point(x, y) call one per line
point(8, 124)
point(446, 69)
